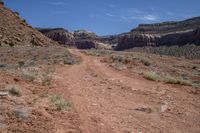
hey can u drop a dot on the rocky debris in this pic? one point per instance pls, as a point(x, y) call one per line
point(16, 31)
point(162, 34)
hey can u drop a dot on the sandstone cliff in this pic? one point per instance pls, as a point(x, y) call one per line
point(60, 35)
point(162, 34)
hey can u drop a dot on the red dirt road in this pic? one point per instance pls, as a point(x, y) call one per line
point(109, 101)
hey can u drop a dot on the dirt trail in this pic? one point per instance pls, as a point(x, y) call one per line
point(109, 101)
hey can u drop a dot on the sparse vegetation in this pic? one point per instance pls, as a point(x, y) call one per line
point(69, 62)
point(21, 63)
point(27, 75)
point(188, 51)
point(145, 62)
point(60, 102)
point(15, 90)
point(179, 80)
point(152, 76)
point(11, 44)
point(159, 64)
point(45, 94)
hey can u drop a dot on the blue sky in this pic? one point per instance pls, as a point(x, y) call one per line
point(102, 16)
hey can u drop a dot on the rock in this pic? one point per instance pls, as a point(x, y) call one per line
point(60, 35)
point(3, 94)
point(85, 44)
point(162, 34)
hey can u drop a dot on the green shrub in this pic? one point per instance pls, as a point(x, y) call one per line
point(152, 76)
point(60, 103)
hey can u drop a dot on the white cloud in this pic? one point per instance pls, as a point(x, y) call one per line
point(150, 17)
point(133, 11)
point(57, 12)
point(57, 3)
point(110, 15)
point(112, 6)
point(169, 13)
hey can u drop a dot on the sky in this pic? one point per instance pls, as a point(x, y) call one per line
point(104, 17)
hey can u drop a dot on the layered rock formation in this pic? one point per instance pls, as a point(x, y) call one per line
point(15, 31)
point(85, 39)
point(162, 34)
point(60, 35)
point(81, 39)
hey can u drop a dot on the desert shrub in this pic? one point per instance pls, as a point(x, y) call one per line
point(179, 80)
point(11, 44)
point(60, 103)
point(45, 94)
point(21, 63)
point(146, 62)
point(69, 62)
point(15, 90)
point(152, 76)
point(28, 75)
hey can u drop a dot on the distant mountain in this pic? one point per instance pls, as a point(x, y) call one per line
point(15, 31)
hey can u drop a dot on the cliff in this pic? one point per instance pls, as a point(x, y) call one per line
point(162, 34)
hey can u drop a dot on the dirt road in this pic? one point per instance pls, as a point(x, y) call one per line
point(110, 101)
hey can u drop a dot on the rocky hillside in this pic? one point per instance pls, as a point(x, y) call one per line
point(162, 34)
point(15, 31)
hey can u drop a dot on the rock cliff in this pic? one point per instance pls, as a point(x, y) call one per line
point(162, 34)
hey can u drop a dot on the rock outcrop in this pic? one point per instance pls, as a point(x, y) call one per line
point(15, 31)
point(162, 34)
point(60, 35)
point(81, 39)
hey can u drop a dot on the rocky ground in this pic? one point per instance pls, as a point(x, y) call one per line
point(51, 95)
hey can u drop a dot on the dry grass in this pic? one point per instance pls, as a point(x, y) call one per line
point(152, 76)
point(139, 62)
point(60, 102)
point(179, 80)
